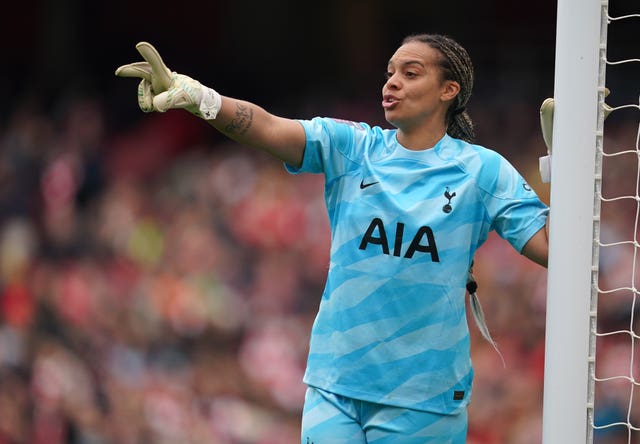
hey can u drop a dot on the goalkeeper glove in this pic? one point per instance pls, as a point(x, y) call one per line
point(161, 89)
point(546, 124)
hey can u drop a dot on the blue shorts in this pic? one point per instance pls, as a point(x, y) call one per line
point(333, 419)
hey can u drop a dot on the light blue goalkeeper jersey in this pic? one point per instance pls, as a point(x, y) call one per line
point(391, 326)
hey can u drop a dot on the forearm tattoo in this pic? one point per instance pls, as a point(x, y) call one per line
point(242, 121)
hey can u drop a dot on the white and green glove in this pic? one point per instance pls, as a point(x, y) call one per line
point(161, 89)
point(546, 124)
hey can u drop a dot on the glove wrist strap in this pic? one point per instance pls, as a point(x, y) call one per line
point(210, 103)
point(544, 164)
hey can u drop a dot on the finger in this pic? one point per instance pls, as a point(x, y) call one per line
point(161, 75)
point(141, 70)
point(145, 96)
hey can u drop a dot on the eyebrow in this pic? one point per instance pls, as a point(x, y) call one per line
point(408, 62)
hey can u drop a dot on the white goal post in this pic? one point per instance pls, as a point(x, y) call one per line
point(569, 346)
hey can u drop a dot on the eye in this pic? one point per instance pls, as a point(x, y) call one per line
point(387, 75)
point(410, 74)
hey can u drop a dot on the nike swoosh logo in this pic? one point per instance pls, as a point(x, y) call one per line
point(365, 185)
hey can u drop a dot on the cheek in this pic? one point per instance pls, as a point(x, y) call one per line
point(426, 90)
point(426, 97)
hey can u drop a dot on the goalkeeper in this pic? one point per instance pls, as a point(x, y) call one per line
point(389, 358)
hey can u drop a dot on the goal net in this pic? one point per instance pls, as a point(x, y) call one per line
point(592, 381)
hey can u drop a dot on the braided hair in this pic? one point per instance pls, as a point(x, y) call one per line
point(456, 65)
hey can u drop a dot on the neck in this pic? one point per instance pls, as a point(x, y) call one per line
point(420, 139)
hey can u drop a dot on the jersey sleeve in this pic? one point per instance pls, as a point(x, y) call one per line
point(516, 211)
point(329, 146)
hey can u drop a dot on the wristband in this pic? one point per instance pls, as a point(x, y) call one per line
point(210, 103)
point(544, 164)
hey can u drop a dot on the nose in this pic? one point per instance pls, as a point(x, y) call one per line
point(393, 82)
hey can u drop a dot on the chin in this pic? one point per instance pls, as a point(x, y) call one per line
point(388, 116)
point(393, 122)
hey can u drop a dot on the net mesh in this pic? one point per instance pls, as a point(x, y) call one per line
point(614, 365)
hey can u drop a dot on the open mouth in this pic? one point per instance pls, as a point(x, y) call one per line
point(389, 101)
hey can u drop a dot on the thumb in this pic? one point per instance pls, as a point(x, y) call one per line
point(162, 101)
point(185, 93)
point(173, 98)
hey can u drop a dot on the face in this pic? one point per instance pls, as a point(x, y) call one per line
point(415, 91)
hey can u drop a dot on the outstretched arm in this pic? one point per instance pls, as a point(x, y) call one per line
point(160, 89)
point(252, 125)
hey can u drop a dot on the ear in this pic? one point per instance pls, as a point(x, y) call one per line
point(450, 89)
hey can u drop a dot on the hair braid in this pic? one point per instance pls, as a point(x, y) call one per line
point(456, 65)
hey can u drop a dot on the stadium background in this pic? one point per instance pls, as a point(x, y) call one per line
point(158, 282)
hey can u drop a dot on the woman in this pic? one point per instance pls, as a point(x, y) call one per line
point(389, 357)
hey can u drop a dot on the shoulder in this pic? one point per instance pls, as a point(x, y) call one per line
point(334, 124)
point(345, 135)
point(473, 158)
point(492, 172)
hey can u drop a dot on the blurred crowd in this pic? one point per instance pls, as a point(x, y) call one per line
point(158, 285)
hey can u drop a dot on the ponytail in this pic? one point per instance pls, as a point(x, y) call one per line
point(460, 126)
